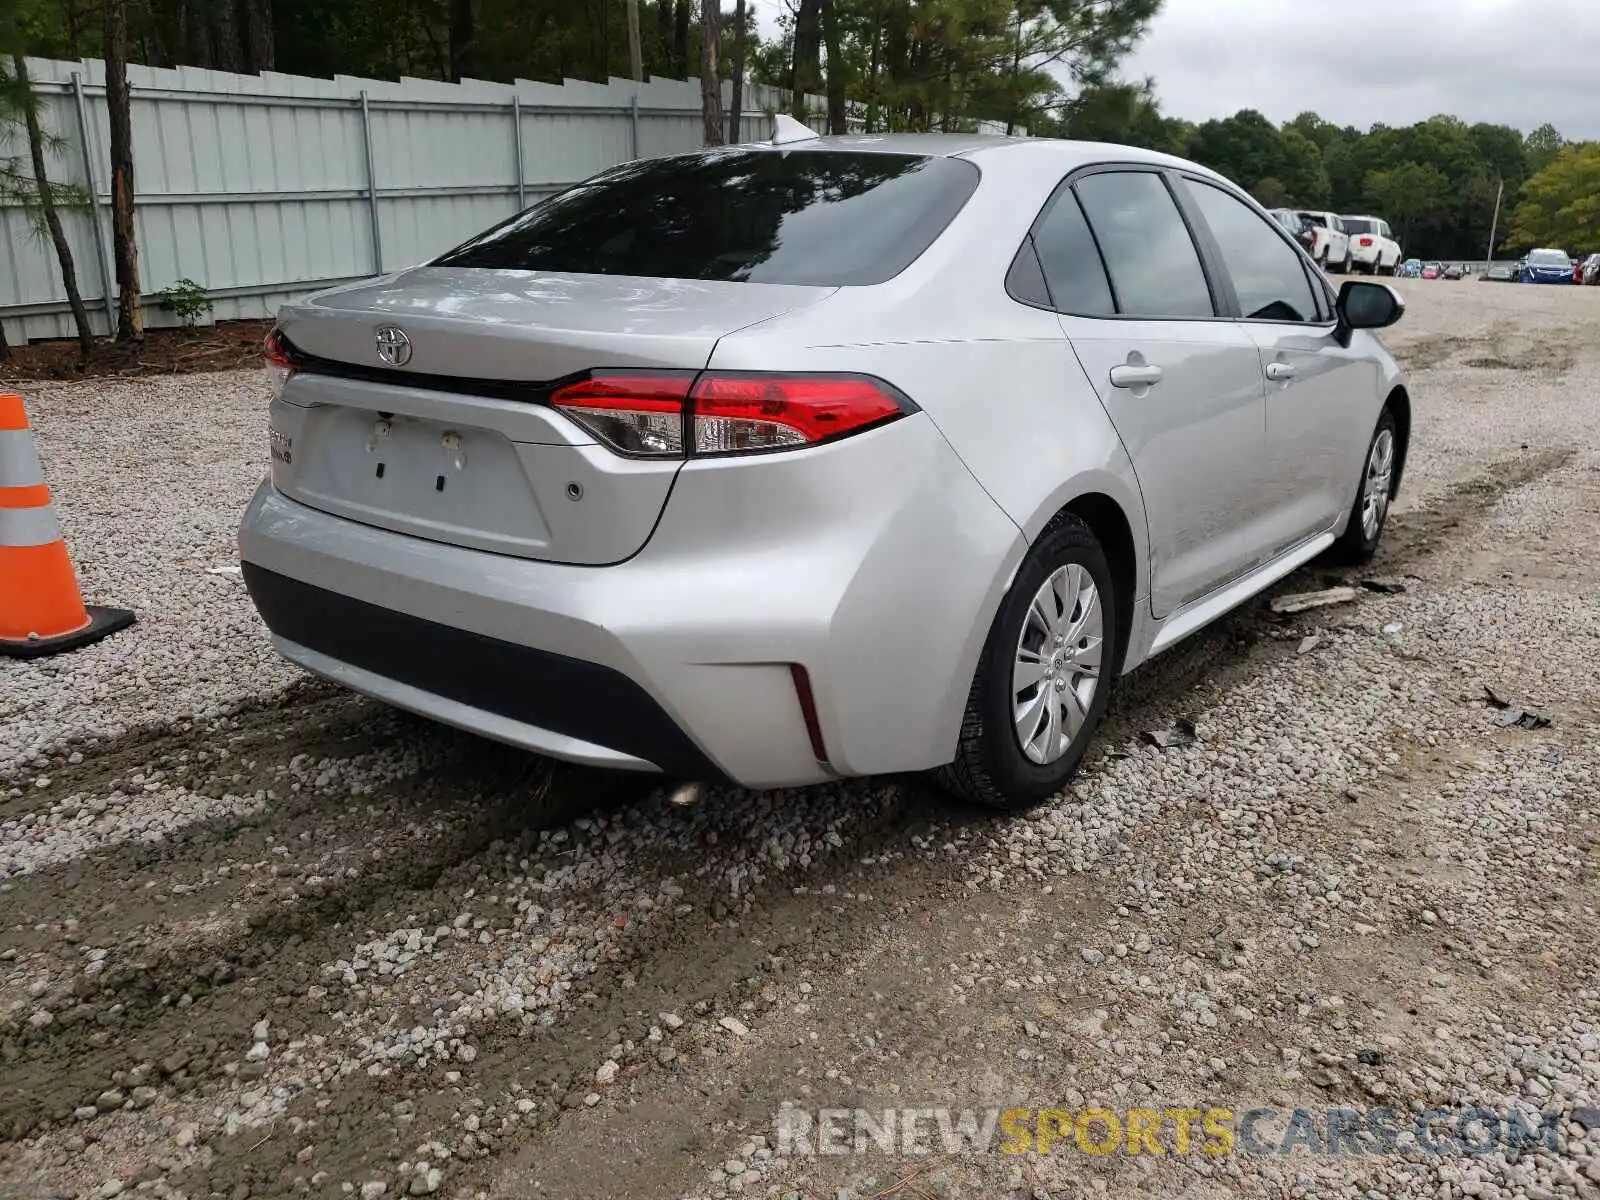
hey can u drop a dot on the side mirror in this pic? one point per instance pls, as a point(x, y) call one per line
point(1366, 305)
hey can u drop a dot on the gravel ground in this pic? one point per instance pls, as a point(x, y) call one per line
point(264, 938)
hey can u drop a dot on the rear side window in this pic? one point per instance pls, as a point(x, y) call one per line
point(1070, 260)
point(822, 217)
point(1154, 266)
point(1267, 274)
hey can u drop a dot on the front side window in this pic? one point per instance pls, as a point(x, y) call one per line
point(1154, 267)
point(820, 217)
point(1268, 275)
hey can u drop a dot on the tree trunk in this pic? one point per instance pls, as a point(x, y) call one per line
point(664, 36)
point(680, 37)
point(710, 85)
point(873, 64)
point(74, 30)
point(255, 16)
point(635, 50)
point(830, 38)
point(225, 53)
point(807, 55)
point(1014, 100)
point(736, 114)
point(463, 59)
point(52, 219)
point(130, 316)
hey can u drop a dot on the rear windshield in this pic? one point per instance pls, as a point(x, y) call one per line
point(825, 217)
point(1314, 218)
point(1357, 225)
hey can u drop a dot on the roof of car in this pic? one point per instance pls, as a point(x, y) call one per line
point(1060, 152)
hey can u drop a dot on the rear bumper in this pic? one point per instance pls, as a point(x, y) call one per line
point(536, 699)
point(876, 564)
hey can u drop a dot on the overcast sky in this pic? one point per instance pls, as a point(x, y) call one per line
point(1513, 62)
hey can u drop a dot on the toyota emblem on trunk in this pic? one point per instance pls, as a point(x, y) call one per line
point(394, 347)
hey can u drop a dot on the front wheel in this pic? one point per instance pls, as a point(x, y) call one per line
point(1044, 678)
point(1364, 527)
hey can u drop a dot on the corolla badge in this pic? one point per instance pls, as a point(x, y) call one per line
point(394, 347)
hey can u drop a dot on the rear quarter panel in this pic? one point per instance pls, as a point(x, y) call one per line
point(997, 378)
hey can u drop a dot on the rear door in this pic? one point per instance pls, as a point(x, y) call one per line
point(1318, 393)
point(1182, 387)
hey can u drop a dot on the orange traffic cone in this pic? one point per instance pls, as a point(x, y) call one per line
point(41, 610)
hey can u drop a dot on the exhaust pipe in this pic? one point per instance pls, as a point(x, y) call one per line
point(686, 794)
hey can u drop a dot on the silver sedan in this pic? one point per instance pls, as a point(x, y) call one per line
point(783, 462)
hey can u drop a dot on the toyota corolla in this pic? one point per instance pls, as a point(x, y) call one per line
point(784, 462)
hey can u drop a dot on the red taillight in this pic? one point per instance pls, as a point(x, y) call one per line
point(638, 414)
point(667, 415)
point(279, 364)
point(1366, 241)
point(736, 413)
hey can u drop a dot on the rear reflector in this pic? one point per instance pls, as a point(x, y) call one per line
point(808, 711)
point(675, 415)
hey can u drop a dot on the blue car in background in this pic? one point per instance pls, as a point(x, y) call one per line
point(1546, 266)
point(1410, 269)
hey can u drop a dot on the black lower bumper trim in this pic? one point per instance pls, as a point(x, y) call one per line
point(537, 687)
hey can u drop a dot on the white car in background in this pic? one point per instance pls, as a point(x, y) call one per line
point(1331, 247)
point(1372, 245)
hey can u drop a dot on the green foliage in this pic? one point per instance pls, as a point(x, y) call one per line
point(19, 187)
point(187, 300)
point(1541, 147)
point(1561, 203)
point(1406, 193)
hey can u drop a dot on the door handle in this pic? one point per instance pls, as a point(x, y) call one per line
point(1128, 375)
point(1280, 370)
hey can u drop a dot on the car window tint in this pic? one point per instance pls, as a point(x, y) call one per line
point(824, 217)
point(1072, 267)
point(1267, 273)
point(1154, 266)
point(1025, 280)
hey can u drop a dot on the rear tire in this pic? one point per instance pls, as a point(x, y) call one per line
point(1364, 527)
point(1045, 629)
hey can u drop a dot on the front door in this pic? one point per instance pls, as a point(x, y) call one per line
point(1316, 425)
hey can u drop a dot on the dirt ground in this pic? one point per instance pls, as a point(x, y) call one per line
point(259, 937)
point(220, 347)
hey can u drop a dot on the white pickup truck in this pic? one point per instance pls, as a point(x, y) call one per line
point(1331, 247)
point(1372, 245)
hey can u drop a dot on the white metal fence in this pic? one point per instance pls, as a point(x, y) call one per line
point(262, 188)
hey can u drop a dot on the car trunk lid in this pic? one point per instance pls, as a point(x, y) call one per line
point(450, 440)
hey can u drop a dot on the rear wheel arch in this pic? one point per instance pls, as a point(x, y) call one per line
point(1111, 528)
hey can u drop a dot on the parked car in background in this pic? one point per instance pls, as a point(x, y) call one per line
point(1500, 273)
point(1547, 266)
point(1410, 269)
point(1372, 245)
point(1591, 270)
point(500, 482)
point(1432, 270)
point(1300, 228)
point(1454, 271)
point(1330, 243)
